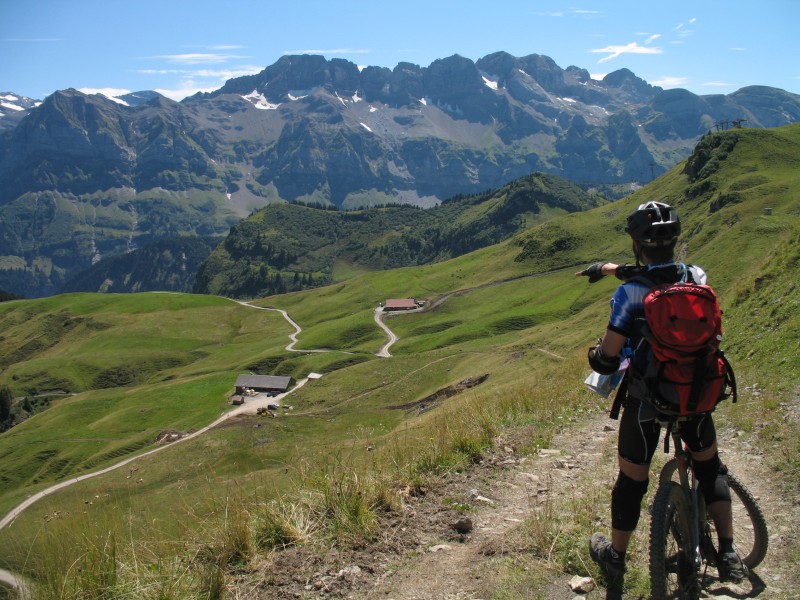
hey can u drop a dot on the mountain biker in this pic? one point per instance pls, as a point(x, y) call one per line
point(654, 228)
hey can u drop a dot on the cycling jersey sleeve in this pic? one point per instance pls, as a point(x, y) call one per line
point(626, 306)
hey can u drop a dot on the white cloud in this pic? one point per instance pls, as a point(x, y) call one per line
point(718, 84)
point(681, 32)
point(198, 58)
point(109, 92)
point(561, 13)
point(186, 91)
point(652, 38)
point(192, 81)
point(331, 51)
point(670, 81)
point(161, 71)
point(632, 48)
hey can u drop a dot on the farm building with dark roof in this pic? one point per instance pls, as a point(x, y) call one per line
point(263, 383)
point(401, 304)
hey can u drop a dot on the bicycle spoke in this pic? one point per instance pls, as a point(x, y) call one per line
point(672, 569)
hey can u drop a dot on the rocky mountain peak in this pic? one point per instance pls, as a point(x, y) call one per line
point(323, 132)
point(632, 86)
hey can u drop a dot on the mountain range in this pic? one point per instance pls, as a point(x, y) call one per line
point(85, 177)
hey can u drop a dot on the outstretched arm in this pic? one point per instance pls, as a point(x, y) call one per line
point(598, 270)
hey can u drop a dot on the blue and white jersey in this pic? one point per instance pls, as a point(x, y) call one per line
point(627, 303)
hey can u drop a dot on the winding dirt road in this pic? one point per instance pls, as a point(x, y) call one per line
point(384, 352)
point(250, 407)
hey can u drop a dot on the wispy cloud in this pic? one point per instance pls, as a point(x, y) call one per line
point(718, 84)
point(670, 81)
point(207, 73)
point(191, 81)
point(198, 58)
point(681, 30)
point(632, 48)
point(109, 92)
point(561, 13)
point(187, 90)
point(330, 51)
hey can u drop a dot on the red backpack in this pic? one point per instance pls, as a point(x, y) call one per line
point(678, 366)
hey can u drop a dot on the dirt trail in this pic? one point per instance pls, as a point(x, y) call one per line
point(579, 457)
point(434, 562)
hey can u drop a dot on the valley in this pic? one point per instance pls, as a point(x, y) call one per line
point(377, 462)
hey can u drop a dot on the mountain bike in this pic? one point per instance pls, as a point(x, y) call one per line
point(683, 537)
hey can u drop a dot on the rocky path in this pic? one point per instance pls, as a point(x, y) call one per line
point(434, 551)
point(503, 493)
point(506, 490)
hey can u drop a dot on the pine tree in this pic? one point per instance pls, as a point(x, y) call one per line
point(5, 403)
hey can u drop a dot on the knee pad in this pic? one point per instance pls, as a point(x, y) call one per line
point(626, 502)
point(712, 482)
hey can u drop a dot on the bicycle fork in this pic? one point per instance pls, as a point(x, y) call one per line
point(694, 527)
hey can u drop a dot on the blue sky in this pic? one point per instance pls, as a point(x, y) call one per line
point(179, 47)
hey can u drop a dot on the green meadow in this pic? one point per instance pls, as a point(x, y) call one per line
point(136, 365)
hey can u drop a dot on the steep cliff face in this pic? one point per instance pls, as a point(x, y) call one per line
point(80, 144)
point(83, 177)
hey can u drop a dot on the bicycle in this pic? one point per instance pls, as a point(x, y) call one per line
point(682, 535)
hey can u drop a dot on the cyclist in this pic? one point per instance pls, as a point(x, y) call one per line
point(654, 228)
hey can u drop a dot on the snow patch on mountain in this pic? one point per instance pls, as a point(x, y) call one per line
point(13, 106)
point(260, 101)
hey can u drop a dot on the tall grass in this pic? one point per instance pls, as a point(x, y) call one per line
point(336, 501)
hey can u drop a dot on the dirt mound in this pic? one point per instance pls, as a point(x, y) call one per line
point(436, 397)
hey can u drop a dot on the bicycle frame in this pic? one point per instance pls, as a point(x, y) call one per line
point(701, 553)
point(683, 537)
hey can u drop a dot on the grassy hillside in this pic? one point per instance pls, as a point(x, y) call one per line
point(514, 312)
point(287, 247)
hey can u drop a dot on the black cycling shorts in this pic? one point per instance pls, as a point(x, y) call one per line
point(639, 432)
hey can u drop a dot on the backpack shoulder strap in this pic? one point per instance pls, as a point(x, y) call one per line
point(645, 280)
point(667, 275)
point(622, 391)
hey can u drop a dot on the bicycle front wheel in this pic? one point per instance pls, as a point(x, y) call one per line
point(672, 565)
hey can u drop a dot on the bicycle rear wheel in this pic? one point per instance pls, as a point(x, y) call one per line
point(672, 568)
point(750, 535)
